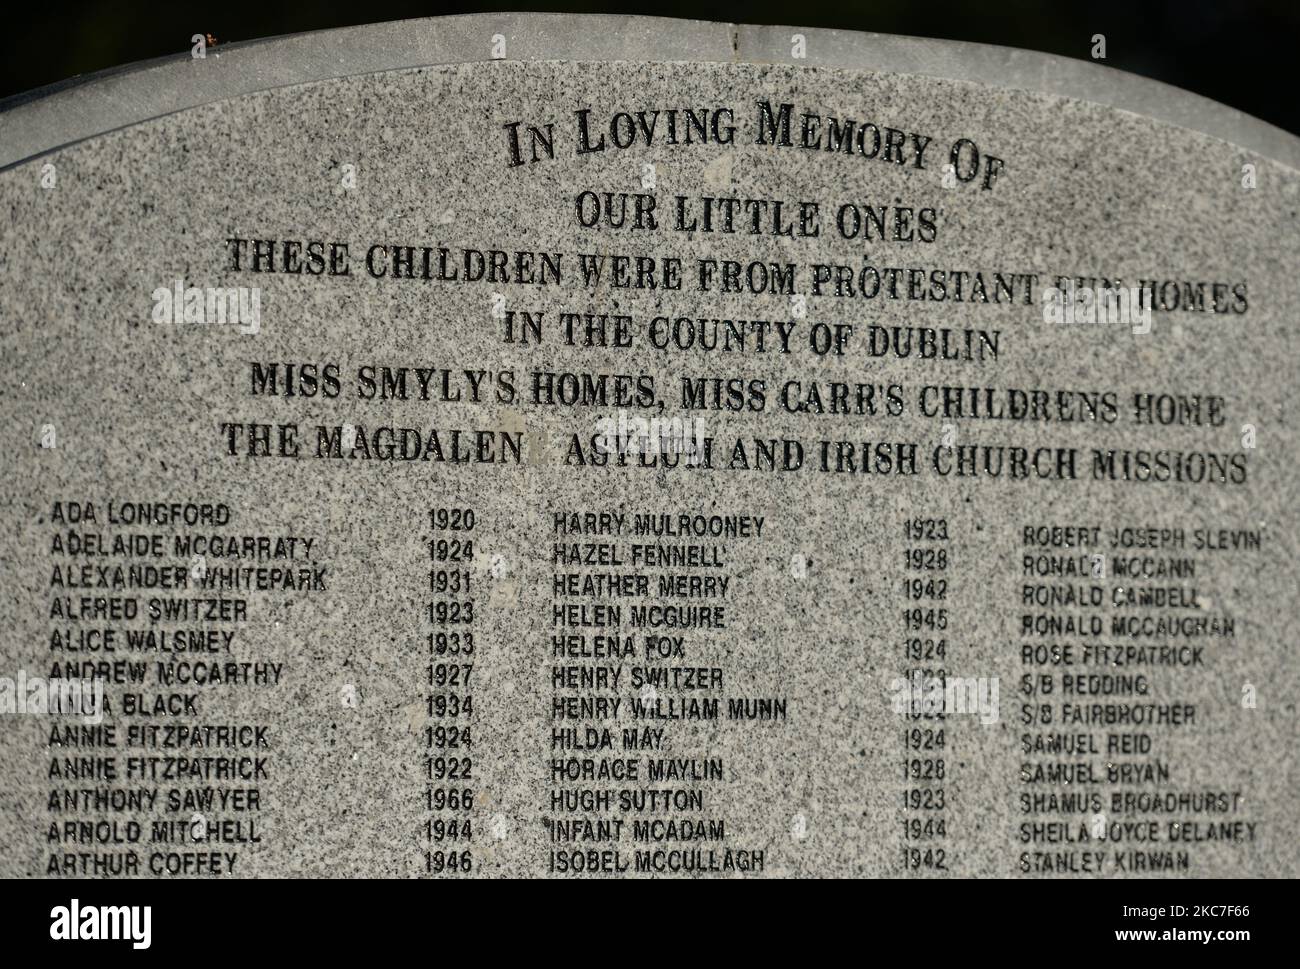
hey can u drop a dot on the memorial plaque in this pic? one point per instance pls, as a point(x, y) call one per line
point(535, 446)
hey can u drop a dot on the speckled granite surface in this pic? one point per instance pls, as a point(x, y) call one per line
point(815, 611)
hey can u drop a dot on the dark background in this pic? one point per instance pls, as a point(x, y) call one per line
point(1241, 53)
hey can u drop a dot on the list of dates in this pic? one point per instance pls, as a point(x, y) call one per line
point(631, 713)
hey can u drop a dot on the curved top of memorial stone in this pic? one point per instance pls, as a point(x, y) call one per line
point(52, 117)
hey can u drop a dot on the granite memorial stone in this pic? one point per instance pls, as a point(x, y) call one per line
point(530, 445)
